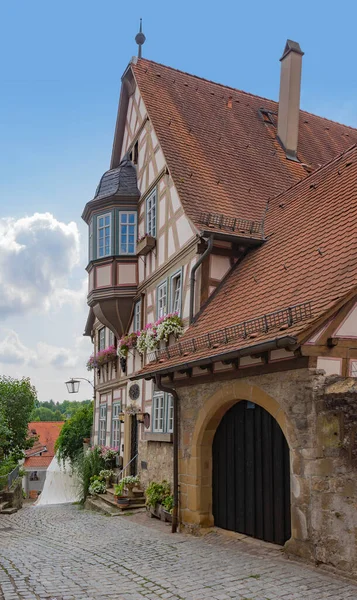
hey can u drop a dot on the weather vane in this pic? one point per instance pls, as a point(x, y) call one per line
point(140, 38)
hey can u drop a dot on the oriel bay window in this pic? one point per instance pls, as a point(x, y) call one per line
point(127, 232)
point(104, 235)
point(162, 413)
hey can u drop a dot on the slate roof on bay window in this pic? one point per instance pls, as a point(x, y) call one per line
point(120, 181)
point(310, 255)
point(221, 148)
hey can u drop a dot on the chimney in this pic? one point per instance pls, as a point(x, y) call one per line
point(289, 98)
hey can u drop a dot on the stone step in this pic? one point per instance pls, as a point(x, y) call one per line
point(4, 505)
point(97, 504)
point(8, 511)
point(137, 492)
point(133, 502)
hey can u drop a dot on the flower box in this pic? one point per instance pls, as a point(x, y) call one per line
point(145, 245)
point(102, 357)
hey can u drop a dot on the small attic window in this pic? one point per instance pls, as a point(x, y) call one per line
point(134, 154)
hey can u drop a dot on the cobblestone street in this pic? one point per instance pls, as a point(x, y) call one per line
point(65, 553)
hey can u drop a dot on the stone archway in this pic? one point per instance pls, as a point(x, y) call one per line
point(196, 463)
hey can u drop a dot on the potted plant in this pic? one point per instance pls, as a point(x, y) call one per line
point(97, 485)
point(107, 475)
point(126, 343)
point(122, 500)
point(168, 325)
point(144, 244)
point(167, 508)
point(156, 495)
point(129, 482)
point(109, 455)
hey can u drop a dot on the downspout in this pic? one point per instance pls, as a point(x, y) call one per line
point(173, 392)
point(206, 253)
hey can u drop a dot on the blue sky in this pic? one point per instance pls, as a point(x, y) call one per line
point(61, 65)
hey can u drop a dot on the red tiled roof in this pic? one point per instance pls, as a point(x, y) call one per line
point(228, 160)
point(48, 432)
point(310, 255)
point(37, 461)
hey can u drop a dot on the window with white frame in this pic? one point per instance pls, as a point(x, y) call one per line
point(176, 286)
point(137, 316)
point(161, 301)
point(162, 413)
point(116, 409)
point(102, 424)
point(111, 338)
point(101, 339)
point(104, 235)
point(90, 242)
point(127, 232)
point(158, 413)
point(151, 214)
point(170, 413)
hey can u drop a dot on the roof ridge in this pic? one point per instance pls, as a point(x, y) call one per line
point(229, 87)
point(320, 168)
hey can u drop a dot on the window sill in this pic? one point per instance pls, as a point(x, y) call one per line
point(158, 437)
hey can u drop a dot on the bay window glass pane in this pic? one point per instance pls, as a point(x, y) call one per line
point(127, 231)
point(104, 235)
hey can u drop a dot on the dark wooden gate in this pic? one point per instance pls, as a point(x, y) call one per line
point(251, 474)
point(134, 445)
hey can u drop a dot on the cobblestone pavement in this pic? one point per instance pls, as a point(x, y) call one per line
point(64, 553)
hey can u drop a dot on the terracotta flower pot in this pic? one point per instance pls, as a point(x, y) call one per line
point(130, 488)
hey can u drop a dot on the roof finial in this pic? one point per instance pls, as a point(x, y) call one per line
point(140, 38)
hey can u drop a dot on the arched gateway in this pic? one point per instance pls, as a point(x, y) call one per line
point(251, 474)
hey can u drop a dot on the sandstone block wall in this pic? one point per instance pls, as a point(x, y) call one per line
point(155, 462)
point(318, 416)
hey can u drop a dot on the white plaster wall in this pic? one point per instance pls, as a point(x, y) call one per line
point(332, 366)
point(160, 161)
point(219, 266)
point(175, 201)
point(348, 327)
point(184, 230)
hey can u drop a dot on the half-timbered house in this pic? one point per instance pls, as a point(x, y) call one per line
point(239, 214)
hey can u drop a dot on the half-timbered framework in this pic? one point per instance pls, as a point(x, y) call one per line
point(217, 209)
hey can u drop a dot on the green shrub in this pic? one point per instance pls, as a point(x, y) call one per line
point(97, 487)
point(157, 492)
point(168, 503)
point(6, 466)
point(69, 444)
point(88, 464)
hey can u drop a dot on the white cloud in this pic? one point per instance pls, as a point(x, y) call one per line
point(13, 351)
point(37, 255)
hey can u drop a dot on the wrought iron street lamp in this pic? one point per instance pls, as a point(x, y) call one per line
point(73, 384)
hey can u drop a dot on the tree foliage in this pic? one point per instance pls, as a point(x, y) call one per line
point(56, 411)
point(70, 441)
point(17, 400)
